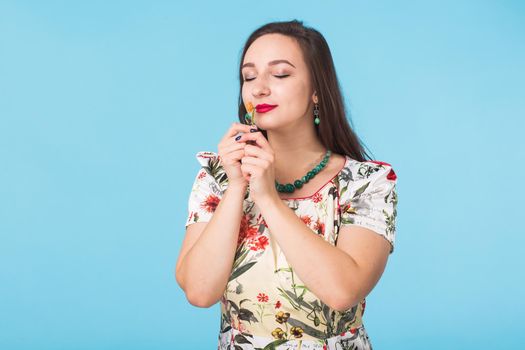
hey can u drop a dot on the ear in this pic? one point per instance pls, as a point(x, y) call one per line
point(314, 97)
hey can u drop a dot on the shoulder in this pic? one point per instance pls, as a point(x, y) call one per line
point(365, 177)
point(355, 170)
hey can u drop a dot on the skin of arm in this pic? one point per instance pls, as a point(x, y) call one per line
point(342, 275)
point(204, 270)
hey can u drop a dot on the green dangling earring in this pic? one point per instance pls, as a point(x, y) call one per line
point(316, 114)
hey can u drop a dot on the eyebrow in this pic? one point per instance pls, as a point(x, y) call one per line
point(271, 63)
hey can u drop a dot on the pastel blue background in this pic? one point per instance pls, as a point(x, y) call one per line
point(101, 114)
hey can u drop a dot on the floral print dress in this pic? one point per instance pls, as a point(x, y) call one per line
point(265, 304)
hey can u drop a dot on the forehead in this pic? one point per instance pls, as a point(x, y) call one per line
point(271, 47)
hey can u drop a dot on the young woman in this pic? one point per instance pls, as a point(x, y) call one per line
point(290, 264)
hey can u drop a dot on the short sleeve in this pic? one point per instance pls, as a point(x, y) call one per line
point(371, 200)
point(206, 192)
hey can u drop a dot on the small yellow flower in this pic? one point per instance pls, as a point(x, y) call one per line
point(278, 333)
point(282, 317)
point(249, 107)
point(297, 332)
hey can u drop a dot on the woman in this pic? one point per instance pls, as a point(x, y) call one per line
point(290, 265)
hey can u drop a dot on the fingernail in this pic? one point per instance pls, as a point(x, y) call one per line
point(238, 138)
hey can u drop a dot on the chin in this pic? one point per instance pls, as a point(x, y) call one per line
point(265, 126)
point(267, 122)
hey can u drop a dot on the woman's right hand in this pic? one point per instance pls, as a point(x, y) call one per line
point(231, 152)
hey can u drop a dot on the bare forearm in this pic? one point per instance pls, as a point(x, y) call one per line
point(207, 266)
point(325, 269)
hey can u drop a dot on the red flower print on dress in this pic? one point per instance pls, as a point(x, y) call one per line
point(277, 304)
point(259, 243)
point(353, 330)
point(317, 197)
point(307, 219)
point(202, 174)
point(319, 227)
point(263, 298)
point(391, 175)
point(210, 203)
point(246, 231)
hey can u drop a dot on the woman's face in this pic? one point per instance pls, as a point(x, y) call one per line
point(274, 73)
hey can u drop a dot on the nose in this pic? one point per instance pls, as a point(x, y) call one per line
point(260, 88)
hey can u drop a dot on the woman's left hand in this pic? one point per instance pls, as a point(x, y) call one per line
point(257, 166)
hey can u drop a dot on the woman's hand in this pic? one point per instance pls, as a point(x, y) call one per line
point(231, 152)
point(258, 167)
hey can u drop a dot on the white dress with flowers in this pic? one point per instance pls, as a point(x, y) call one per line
point(265, 304)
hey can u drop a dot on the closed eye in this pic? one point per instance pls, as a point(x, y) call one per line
point(277, 76)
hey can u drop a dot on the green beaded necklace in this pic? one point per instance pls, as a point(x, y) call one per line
point(290, 188)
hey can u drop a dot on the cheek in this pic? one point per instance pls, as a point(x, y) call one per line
point(295, 88)
point(296, 95)
point(246, 97)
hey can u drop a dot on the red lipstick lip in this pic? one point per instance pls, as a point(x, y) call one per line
point(261, 108)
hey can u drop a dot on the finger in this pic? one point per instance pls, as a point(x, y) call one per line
point(256, 162)
point(250, 169)
point(232, 143)
point(233, 146)
point(227, 147)
point(236, 128)
point(236, 156)
point(234, 140)
point(257, 152)
point(259, 139)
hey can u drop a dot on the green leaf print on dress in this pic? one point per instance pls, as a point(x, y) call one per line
point(214, 167)
point(365, 170)
point(251, 239)
point(391, 218)
point(314, 310)
point(373, 204)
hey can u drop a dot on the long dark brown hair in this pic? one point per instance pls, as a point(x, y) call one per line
point(334, 131)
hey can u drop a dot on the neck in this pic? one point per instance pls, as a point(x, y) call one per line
point(297, 150)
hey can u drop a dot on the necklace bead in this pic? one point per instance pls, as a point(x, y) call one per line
point(290, 188)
